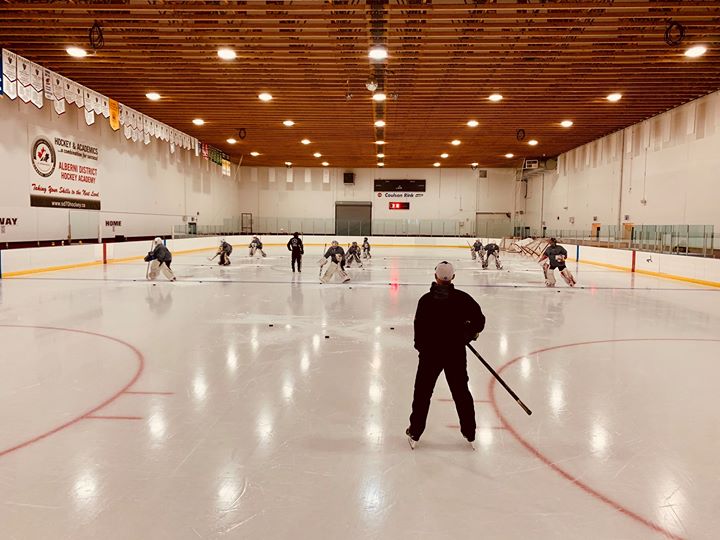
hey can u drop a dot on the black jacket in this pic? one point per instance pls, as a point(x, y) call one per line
point(296, 245)
point(446, 320)
point(161, 253)
point(335, 254)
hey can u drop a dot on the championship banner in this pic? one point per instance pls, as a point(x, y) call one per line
point(64, 172)
point(114, 109)
point(9, 74)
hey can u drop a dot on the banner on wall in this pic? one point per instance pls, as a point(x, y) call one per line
point(64, 171)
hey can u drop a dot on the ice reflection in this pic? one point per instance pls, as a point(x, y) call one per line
point(375, 392)
point(372, 501)
point(316, 342)
point(232, 360)
point(485, 437)
point(557, 399)
point(157, 425)
point(525, 367)
point(672, 503)
point(373, 432)
point(264, 427)
point(503, 344)
point(305, 362)
point(288, 389)
point(228, 495)
point(254, 343)
point(376, 363)
point(199, 386)
point(85, 488)
point(599, 439)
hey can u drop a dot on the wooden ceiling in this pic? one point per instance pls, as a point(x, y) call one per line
point(551, 61)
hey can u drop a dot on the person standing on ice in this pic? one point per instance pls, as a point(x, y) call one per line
point(366, 249)
point(446, 320)
point(494, 251)
point(477, 250)
point(336, 254)
point(295, 246)
point(554, 257)
point(353, 254)
point(224, 251)
point(255, 245)
point(161, 260)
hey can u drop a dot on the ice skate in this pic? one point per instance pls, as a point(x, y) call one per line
point(411, 440)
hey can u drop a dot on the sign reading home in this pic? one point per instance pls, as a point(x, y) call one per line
point(64, 172)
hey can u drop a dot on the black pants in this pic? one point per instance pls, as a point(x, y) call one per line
point(296, 258)
point(430, 365)
point(224, 259)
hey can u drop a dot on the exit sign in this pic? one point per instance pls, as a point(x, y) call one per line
point(399, 206)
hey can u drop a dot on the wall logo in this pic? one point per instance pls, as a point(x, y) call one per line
point(43, 157)
point(113, 223)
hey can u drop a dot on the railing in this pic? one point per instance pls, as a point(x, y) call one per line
point(695, 240)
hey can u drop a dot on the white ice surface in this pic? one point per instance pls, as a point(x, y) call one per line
point(259, 432)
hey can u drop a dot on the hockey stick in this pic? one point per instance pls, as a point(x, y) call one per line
point(213, 258)
point(499, 379)
point(147, 270)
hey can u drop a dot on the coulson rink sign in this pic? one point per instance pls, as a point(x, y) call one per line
point(400, 189)
point(64, 172)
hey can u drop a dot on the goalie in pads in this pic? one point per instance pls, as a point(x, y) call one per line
point(224, 251)
point(554, 257)
point(161, 259)
point(336, 254)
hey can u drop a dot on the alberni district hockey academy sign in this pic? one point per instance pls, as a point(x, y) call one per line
point(64, 172)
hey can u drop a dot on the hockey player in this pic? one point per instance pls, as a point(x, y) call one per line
point(255, 245)
point(494, 251)
point(224, 251)
point(353, 254)
point(366, 249)
point(476, 250)
point(446, 320)
point(295, 246)
point(161, 259)
point(554, 257)
point(336, 254)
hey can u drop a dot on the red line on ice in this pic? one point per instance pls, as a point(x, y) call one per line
point(94, 417)
point(562, 472)
point(140, 366)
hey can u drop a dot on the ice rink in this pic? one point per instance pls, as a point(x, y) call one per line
point(245, 402)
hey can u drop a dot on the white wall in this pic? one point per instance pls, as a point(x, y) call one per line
point(452, 194)
point(671, 162)
point(144, 186)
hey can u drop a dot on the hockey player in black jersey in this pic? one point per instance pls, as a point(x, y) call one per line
point(554, 257)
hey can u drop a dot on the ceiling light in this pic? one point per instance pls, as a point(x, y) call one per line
point(436, 164)
point(305, 141)
point(288, 123)
point(231, 141)
point(76, 52)
point(495, 97)
point(317, 154)
point(378, 52)
point(265, 97)
point(473, 123)
point(444, 155)
point(227, 54)
point(381, 164)
point(380, 123)
point(288, 163)
point(381, 156)
point(325, 164)
point(532, 142)
point(455, 142)
point(509, 155)
point(697, 50)
point(254, 154)
point(199, 122)
point(474, 164)
point(566, 123)
point(153, 96)
point(379, 96)
point(380, 142)
point(614, 97)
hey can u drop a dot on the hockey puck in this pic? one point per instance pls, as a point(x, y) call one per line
point(270, 325)
point(392, 328)
point(154, 284)
point(327, 337)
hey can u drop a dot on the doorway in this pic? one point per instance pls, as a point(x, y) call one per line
point(353, 218)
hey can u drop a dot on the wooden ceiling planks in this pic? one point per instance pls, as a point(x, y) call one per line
point(550, 60)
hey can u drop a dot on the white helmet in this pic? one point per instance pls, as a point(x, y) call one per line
point(157, 241)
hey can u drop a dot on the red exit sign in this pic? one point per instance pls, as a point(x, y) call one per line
point(399, 206)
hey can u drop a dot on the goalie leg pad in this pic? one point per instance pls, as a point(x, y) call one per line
point(568, 277)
